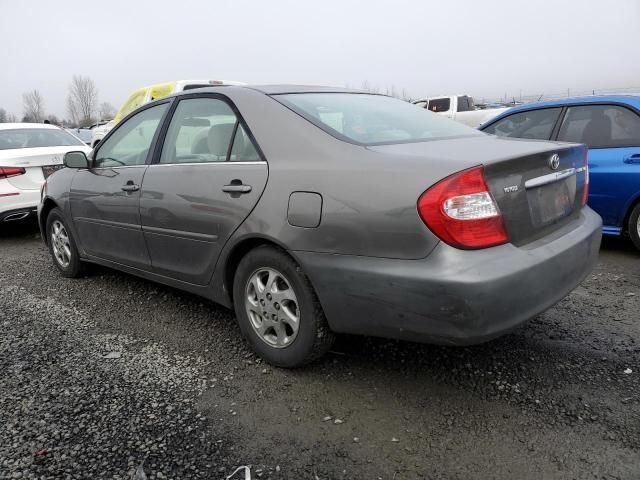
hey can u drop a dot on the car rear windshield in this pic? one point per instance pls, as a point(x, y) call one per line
point(368, 119)
point(36, 137)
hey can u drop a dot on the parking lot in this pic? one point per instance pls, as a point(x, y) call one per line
point(102, 374)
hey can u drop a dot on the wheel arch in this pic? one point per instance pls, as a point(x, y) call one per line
point(635, 200)
point(237, 253)
point(47, 205)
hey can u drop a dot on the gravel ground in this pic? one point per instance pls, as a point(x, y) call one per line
point(108, 375)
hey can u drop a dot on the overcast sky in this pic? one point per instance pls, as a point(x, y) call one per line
point(483, 48)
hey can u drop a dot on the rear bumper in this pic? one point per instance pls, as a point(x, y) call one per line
point(17, 214)
point(14, 201)
point(454, 296)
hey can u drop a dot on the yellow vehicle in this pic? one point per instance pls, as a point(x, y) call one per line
point(145, 95)
point(153, 92)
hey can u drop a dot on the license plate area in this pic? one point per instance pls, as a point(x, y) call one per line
point(49, 170)
point(552, 201)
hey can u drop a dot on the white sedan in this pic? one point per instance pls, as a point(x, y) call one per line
point(29, 153)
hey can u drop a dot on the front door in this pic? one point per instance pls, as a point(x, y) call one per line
point(105, 199)
point(207, 180)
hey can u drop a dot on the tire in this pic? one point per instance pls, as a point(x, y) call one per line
point(64, 253)
point(634, 226)
point(269, 292)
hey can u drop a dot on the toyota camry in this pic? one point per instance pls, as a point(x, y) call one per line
point(313, 211)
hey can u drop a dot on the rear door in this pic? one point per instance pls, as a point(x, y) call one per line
point(612, 133)
point(105, 199)
point(206, 180)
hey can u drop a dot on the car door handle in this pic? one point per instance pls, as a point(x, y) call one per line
point(236, 188)
point(130, 187)
point(635, 158)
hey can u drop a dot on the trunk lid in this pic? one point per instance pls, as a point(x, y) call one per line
point(540, 192)
point(534, 198)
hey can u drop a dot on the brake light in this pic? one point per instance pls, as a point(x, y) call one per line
point(461, 211)
point(6, 172)
point(585, 188)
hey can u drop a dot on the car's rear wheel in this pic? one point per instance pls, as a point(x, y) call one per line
point(62, 245)
point(277, 309)
point(634, 226)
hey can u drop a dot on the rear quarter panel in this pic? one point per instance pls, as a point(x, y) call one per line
point(368, 198)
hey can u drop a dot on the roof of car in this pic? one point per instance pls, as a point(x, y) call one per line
point(13, 126)
point(273, 89)
point(633, 100)
point(282, 89)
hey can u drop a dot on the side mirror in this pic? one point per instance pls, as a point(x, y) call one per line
point(75, 160)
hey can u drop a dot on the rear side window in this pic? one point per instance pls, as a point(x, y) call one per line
point(205, 130)
point(243, 149)
point(440, 105)
point(534, 124)
point(601, 126)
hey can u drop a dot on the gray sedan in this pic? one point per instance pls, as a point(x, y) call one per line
point(313, 211)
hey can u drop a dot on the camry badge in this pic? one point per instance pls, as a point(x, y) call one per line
point(554, 161)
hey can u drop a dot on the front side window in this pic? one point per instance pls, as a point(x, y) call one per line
point(202, 130)
point(534, 124)
point(129, 144)
point(440, 105)
point(601, 126)
point(372, 119)
point(36, 137)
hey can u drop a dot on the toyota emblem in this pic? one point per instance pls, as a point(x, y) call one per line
point(554, 161)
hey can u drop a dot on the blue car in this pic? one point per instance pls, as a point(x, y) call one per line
point(610, 126)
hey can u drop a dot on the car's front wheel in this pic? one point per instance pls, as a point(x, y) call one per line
point(634, 226)
point(277, 309)
point(62, 245)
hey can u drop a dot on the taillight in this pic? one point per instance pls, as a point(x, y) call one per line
point(585, 188)
point(6, 172)
point(461, 211)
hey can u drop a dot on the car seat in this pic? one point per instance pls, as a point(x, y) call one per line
point(598, 130)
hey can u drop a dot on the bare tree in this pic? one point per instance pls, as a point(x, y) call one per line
point(106, 111)
point(3, 115)
point(11, 118)
point(33, 105)
point(71, 109)
point(82, 100)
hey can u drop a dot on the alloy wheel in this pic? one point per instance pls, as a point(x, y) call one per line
point(60, 244)
point(272, 307)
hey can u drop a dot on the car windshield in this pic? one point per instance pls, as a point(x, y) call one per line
point(372, 119)
point(36, 137)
